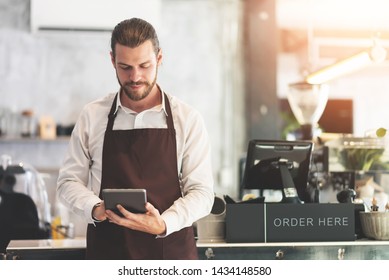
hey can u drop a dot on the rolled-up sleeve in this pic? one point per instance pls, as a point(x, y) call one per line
point(73, 179)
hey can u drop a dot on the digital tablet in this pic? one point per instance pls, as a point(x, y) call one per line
point(134, 200)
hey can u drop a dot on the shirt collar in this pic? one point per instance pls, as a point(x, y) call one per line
point(156, 108)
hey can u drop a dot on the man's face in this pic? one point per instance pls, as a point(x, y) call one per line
point(136, 69)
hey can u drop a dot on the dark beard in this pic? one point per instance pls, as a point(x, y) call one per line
point(132, 95)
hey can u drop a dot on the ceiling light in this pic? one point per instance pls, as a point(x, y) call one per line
point(375, 54)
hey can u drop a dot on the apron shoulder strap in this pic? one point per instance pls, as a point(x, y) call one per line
point(112, 114)
point(169, 118)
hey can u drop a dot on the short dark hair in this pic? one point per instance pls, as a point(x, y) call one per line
point(132, 33)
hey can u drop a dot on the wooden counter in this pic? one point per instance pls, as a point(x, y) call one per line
point(67, 249)
point(363, 249)
point(47, 249)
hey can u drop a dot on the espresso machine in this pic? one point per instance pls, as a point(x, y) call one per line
point(24, 206)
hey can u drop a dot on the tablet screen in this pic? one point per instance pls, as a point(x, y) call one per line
point(134, 200)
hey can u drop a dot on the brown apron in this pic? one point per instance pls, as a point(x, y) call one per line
point(140, 158)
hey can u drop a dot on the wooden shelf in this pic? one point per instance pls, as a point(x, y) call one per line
point(33, 139)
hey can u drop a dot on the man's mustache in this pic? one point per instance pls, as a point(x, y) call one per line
point(135, 83)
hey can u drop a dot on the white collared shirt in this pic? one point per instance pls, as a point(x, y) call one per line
point(79, 178)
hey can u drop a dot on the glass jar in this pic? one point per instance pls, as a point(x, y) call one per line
point(28, 124)
point(357, 154)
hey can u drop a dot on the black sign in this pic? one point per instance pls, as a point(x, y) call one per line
point(290, 222)
point(309, 222)
point(245, 223)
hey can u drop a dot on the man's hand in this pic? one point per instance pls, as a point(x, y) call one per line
point(150, 222)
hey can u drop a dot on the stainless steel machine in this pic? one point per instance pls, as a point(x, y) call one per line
point(24, 206)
